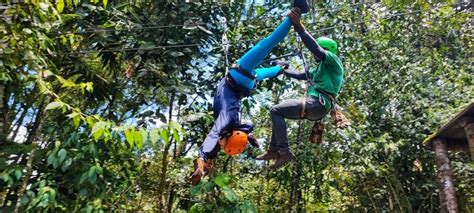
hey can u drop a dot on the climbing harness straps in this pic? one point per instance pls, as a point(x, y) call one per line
point(244, 72)
point(331, 97)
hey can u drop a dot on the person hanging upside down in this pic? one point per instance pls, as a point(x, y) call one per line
point(241, 79)
point(325, 83)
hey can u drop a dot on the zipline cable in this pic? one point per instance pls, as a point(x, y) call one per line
point(91, 30)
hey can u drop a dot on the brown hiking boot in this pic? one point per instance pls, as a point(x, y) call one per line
point(268, 156)
point(283, 158)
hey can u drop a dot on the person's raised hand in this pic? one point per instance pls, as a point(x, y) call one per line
point(295, 18)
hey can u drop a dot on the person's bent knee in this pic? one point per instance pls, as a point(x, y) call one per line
point(274, 110)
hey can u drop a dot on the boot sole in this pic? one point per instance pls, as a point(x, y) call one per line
point(284, 164)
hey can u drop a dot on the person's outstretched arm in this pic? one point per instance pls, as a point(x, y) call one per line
point(292, 73)
point(311, 44)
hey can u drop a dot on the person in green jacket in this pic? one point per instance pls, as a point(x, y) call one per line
point(325, 83)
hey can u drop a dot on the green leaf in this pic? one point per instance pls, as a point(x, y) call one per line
point(71, 42)
point(83, 192)
point(54, 105)
point(205, 30)
point(197, 190)
point(209, 186)
point(27, 30)
point(92, 175)
point(24, 200)
point(230, 194)
point(18, 174)
point(248, 207)
point(98, 129)
point(176, 136)
point(76, 118)
point(105, 3)
point(129, 136)
point(165, 136)
point(5, 177)
point(90, 121)
point(177, 54)
point(222, 180)
point(83, 177)
point(137, 137)
point(55, 163)
point(51, 158)
point(99, 170)
point(66, 164)
point(197, 208)
point(260, 10)
point(154, 134)
point(62, 155)
point(195, 117)
point(52, 192)
point(60, 6)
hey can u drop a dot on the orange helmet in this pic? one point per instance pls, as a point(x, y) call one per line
point(236, 143)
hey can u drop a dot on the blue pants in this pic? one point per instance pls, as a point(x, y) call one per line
point(227, 99)
point(255, 56)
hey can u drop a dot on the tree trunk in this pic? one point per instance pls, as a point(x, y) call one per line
point(3, 114)
point(36, 128)
point(447, 194)
point(295, 194)
point(164, 163)
point(169, 206)
point(26, 178)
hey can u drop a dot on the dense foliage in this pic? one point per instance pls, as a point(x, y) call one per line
point(104, 105)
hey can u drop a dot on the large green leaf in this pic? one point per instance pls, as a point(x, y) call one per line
point(129, 136)
point(54, 105)
point(230, 194)
point(164, 133)
point(222, 180)
point(62, 155)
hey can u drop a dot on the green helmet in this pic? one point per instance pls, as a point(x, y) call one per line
point(327, 44)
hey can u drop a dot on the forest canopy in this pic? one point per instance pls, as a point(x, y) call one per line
point(104, 105)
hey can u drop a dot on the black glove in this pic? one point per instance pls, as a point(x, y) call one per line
point(282, 64)
point(253, 141)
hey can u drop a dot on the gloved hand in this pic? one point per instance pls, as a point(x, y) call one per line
point(282, 64)
point(253, 141)
point(201, 167)
point(295, 18)
point(339, 119)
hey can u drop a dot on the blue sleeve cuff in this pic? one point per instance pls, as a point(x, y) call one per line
point(267, 72)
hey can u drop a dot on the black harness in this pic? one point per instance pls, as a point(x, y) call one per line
point(243, 91)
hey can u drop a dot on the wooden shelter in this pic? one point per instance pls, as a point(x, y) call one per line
point(456, 135)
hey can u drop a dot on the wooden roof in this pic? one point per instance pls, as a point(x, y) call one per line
point(453, 132)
